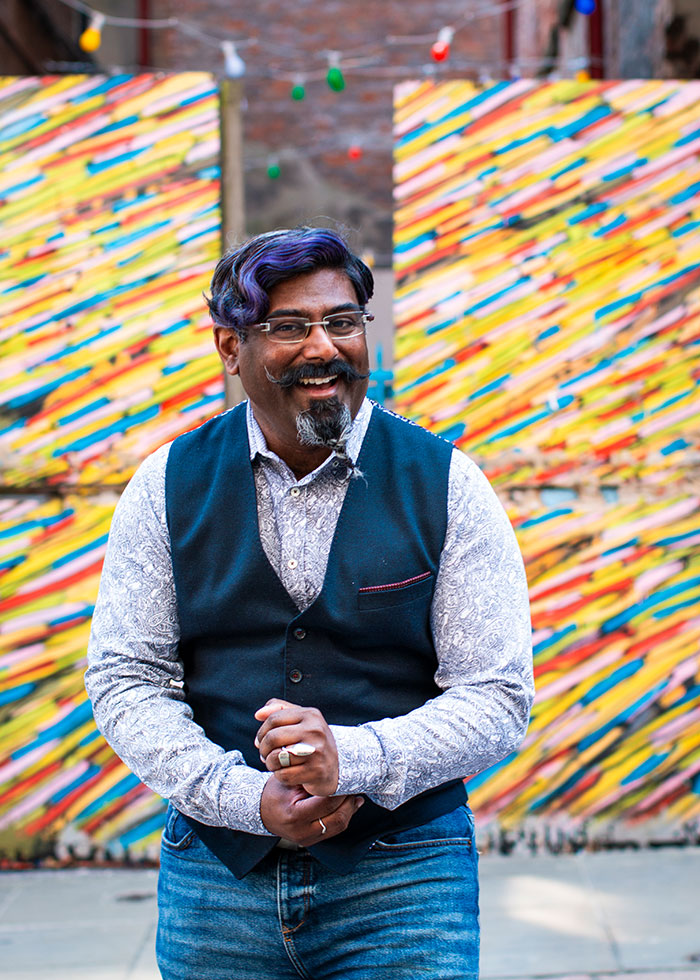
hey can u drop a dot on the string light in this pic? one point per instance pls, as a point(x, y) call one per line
point(355, 152)
point(274, 170)
point(586, 7)
point(91, 38)
point(334, 76)
point(298, 91)
point(440, 50)
point(234, 64)
point(375, 63)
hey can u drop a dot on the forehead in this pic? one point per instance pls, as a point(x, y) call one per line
point(311, 292)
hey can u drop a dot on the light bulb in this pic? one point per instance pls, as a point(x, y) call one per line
point(91, 38)
point(586, 7)
point(440, 51)
point(335, 76)
point(234, 64)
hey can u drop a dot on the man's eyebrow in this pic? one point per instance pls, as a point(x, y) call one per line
point(341, 308)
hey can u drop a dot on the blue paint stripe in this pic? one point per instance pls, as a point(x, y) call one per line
point(611, 226)
point(102, 165)
point(119, 789)
point(47, 388)
point(85, 410)
point(23, 126)
point(543, 518)
point(91, 771)
point(645, 767)
point(142, 830)
point(118, 426)
point(16, 693)
point(35, 524)
point(65, 559)
point(607, 683)
point(554, 638)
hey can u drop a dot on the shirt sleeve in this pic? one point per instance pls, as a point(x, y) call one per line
point(480, 620)
point(134, 675)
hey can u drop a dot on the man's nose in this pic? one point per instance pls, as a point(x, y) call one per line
point(318, 344)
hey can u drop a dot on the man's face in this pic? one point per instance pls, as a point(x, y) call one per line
point(257, 359)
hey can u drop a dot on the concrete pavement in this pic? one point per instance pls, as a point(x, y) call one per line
point(635, 913)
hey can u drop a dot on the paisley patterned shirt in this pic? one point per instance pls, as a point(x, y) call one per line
point(479, 617)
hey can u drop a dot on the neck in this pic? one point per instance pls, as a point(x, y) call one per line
point(301, 459)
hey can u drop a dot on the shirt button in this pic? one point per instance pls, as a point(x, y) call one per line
point(295, 676)
point(294, 492)
point(299, 633)
point(292, 563)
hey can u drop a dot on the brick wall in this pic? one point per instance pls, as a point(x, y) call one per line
point(311, 137)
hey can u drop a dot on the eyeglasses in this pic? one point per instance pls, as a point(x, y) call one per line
point(294, 329)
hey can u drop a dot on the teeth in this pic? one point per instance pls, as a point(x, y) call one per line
point(318, 381)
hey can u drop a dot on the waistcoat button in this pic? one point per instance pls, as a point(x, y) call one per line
point(295, 676)
point(299, 633)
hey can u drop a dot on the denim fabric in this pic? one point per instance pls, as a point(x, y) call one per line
point(410, 909)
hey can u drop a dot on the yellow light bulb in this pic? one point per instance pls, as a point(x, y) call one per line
point(90, 39)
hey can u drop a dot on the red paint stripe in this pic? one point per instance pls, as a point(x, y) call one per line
point(22, 598)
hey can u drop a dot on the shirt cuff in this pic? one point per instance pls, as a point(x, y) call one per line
point(241, 810)
point(360, 760)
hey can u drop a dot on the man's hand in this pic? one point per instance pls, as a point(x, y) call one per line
point(288, 811)
point(284, 724)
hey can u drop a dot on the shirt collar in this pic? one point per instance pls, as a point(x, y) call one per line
point(259, 447)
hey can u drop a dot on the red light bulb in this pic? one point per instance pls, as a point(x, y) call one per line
point(355, 152)
point(440, 50)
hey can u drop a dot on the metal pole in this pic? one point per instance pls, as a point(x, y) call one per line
point(232, 190)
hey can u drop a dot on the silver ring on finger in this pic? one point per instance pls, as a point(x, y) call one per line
point(323, 826)
point(284, 758)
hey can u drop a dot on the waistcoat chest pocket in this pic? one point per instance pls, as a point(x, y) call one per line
point(396, 593)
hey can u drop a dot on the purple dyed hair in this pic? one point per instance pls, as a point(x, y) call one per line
point(244, 276)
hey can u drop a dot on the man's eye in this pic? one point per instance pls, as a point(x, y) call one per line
point(342, 322)
point(287, 327)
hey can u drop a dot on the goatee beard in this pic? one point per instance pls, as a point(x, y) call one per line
point(325, 423)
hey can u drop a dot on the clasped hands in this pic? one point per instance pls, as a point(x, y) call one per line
point(298, 802)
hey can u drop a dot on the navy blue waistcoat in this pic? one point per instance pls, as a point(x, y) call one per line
point(362, 651)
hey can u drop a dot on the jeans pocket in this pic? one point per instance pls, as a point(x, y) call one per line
point(177, 833)
point(452, 829)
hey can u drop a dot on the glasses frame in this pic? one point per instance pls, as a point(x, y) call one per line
point(266, 326)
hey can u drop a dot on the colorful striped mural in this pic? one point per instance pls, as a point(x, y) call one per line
point(110, 227)
point(547, 255)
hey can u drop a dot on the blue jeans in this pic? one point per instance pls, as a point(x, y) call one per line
point(409, 910)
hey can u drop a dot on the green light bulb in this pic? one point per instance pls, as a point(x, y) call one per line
point(335, 79)
point(298, 92)
point(273, 171)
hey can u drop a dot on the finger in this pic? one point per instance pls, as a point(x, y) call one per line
point(314, 807)
point(337, 821)
point(285, 716)
point(274, 704)
point(278, 738)
point(293, 775)
point(295, 755)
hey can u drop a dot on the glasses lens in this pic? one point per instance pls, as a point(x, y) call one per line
point(287, 330)
point(341, 325)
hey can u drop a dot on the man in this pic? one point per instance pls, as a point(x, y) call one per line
point(312, 624)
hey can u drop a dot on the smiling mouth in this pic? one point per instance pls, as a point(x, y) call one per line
point(319, 381)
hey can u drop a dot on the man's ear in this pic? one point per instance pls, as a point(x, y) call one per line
point(227, 343)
